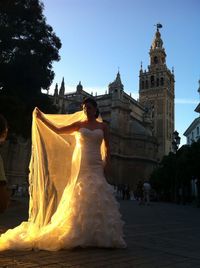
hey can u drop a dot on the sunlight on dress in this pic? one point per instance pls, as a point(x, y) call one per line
point(71, 204)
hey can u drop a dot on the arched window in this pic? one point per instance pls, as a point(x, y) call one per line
point(146, 84)
point(197, 131)
point(152, 81)
point(155, 59)
point(142, 84)
point(157, 82)
point(162, 81)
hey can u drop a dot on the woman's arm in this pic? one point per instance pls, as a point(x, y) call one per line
point(107, 168)
point(59, 130)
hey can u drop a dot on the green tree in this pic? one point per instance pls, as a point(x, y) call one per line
point(175, 173)
point(28, 48)
point(163, 178)
point(194, 156)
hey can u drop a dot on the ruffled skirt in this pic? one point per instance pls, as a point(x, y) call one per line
point(87, 216)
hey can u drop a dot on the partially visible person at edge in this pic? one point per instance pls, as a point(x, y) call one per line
point(4, 195)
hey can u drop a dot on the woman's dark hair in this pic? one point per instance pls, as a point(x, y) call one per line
point(3, 124)
point(93, 102)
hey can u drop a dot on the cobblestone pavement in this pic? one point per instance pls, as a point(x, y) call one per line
point(159, 235)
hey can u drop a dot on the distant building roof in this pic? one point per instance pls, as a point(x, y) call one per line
point(197, 109)
point(192, 126)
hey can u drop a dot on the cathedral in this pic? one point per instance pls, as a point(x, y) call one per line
point(140, 130)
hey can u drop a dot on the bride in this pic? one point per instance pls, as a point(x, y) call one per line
point(71, 204)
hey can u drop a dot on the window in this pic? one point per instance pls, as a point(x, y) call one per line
point(152, 81)
point(155, 59)
point(142, 84)
point(197, 131)
point(146, 84)
point(162, 81)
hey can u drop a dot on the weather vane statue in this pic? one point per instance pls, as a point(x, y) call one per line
point(158, 26)
point(199, 87)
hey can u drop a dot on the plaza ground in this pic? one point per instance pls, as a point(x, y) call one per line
point(159, 235)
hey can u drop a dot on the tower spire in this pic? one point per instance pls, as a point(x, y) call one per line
point(56, 90)
point(118, 78)
point(79, 87)
point(158, 80)
point(116, 84)
point(157, 51)
point(62, 88)
point(157, 42)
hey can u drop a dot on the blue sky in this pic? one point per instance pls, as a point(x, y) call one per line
point(100, 36)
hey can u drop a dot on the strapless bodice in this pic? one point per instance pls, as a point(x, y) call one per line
point(90, 137)
point(90, 141)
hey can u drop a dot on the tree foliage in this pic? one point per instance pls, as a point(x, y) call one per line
point(176, 172)
point(163, 177)
point(28, 48)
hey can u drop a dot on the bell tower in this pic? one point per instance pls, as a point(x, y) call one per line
point(156, 93)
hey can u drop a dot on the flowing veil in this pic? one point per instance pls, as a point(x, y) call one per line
point(51, 166)
point(54, 168)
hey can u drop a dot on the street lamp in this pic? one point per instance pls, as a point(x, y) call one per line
point(176, 141)
point(175, 144)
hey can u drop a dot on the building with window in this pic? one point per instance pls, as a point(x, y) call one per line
point(192, 133)
point(156, 93)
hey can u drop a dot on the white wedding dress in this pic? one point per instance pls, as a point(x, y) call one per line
point(89, 218)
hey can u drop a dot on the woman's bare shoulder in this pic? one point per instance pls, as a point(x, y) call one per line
point(103, 125)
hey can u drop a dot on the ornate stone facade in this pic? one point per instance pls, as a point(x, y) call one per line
point(133, 148)
point(156, 94)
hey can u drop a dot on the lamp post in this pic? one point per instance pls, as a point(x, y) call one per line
point(175, 144)
point(176, 141)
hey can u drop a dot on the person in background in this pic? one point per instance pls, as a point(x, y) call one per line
point(4, 196)
point(147, 189)
point(140, 192)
